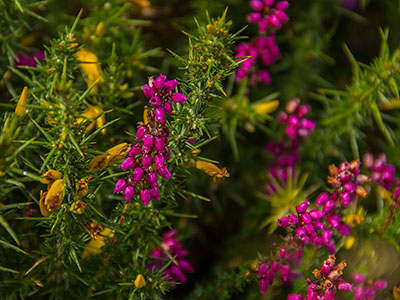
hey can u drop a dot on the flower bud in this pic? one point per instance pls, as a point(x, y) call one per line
point(120, 185)
point(127, 164)
point(148, 140)
point(148, 91)
point(155, 193)
point(137, 175)
point(302, 207)
point(178, 98)
point(159, 82)
point(129, 192)
point(140, 132)
point(145, 196)
point(170, 85)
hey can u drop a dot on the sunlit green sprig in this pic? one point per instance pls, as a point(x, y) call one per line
point(373, 90)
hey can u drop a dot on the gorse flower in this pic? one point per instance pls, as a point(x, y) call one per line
point(95, 113)
point(51, 200)
point(96, 243)
point(210, 169)
point(20, 110)
point(149, 155)
point(90, 66)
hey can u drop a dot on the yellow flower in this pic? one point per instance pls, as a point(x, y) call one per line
point(90, 65)
point(94, 112)
point(118, 152)
point(82, 187)
point(265, 108)
point(100, 28)
point(51, 201)
point(49, 177)
point(78, 207)
point(94, 246)
point(98, 163)
point(396, 292)
point(139, 281)
point(211, 170)
point(350, 241)
point(20, 110)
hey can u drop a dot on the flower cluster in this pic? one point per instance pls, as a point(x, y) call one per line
point(328, 281)
point(265, 49)
point(381, 172)
point(269, 16)
point(366, 290)
point(297, 124)
point(148, 156)
point(285, 158)
point(175, 272)
point(347, 183)
point(309, 227)
point(29, 60)
point(288, 257)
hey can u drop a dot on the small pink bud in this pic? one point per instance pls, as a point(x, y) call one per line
point(381, 284)
point(168, 107)
point(128, 163)
point(145, 196)
point(148, 141)
point(137, 175)
point(275, 22)
point(256, 5)
point(368, 160)
point(148, 91)
point(178, 97)
point(302, 207)
point(129, 192)
point(159, 82)
point(170, 85)
point(151, 178)
point(120, 185)
point(359, 278)
point(282, 5)
point(160, 114)
point(155, 101)
point(264, 77)
point(164, 172)
point(140, 132)
point(269, 2)
point(146, 160)
point(254, 17)
point(292, 105)
point(155, 193)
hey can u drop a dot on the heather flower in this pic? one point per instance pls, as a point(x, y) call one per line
point(366, 289)
point(294, 117)
point(381, 172)
point(174, 272)
point(328, 281)
point(29, 60)
point(148, 157)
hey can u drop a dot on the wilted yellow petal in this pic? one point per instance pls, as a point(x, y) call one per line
point(212, 170)
point(20, 110)
point(82, 187)
point(118, 152)
point(78, 207)
point(266, 107)
point(396, 292)
point(93, 112)
point(55, 196)
point(50, 176)
point(94, 245)
point(139, 281)
point(89, 65)
point(98, 163)
point(43, 208)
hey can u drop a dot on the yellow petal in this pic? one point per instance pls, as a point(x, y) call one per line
point(55, 196)
point(43, 208)
point(118, 152)
point(20, 110)
point(100, 28)
point(212, 170)
point(50, 176)
point(82, 187)
point(266, 107)
point(78, 207)
point(396, 292)
point(90, 66)
point(350, 240)
point(141, 3)
point(94, 245)
point(139, 281)
point(98, 163)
